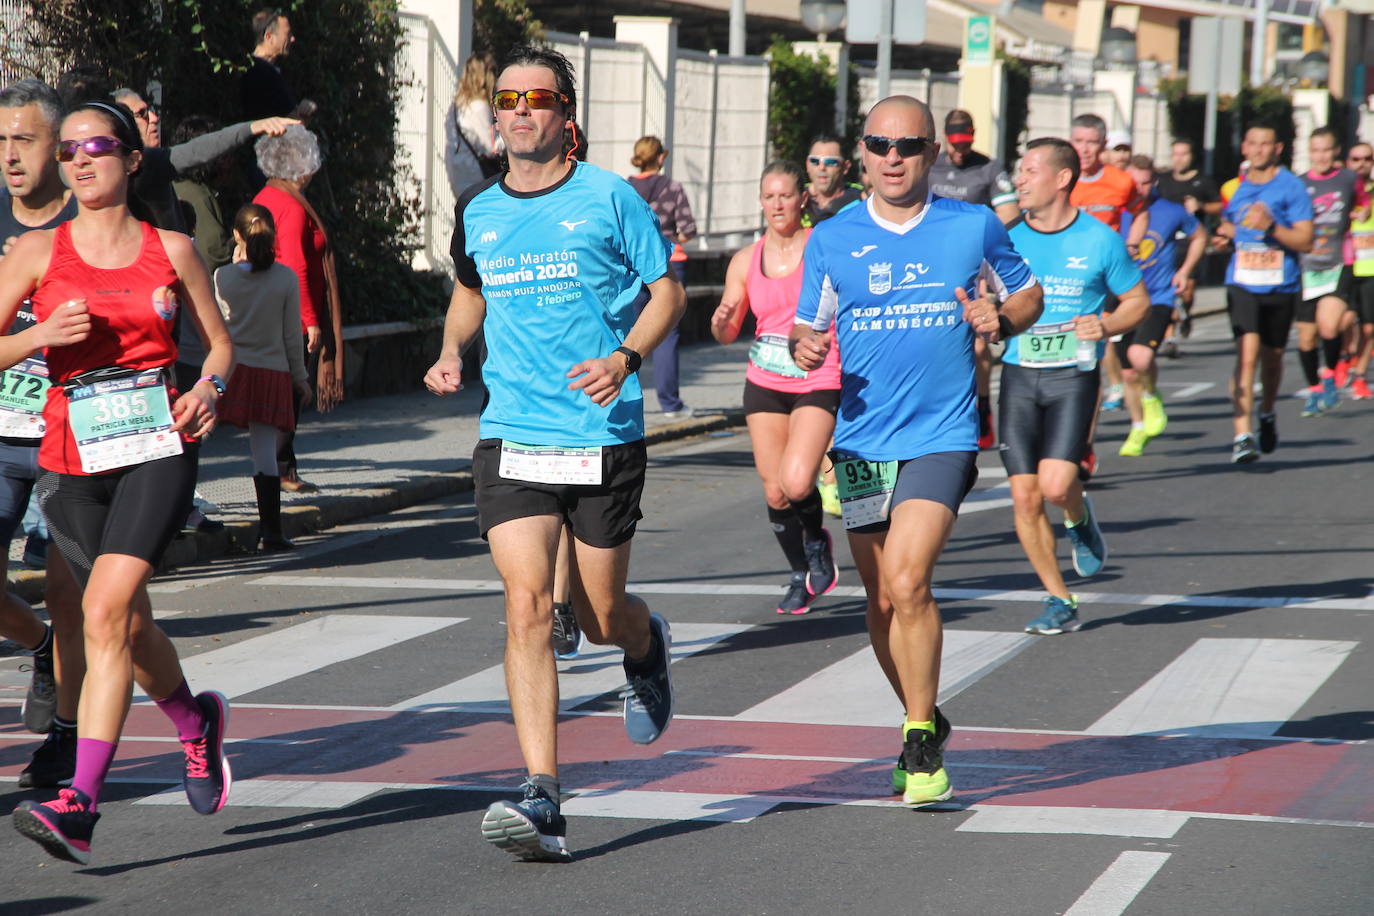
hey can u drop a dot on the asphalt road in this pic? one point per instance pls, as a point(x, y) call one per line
point(1201, 745)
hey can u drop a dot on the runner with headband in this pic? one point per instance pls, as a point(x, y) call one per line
point(790, 411)
point(118, 453)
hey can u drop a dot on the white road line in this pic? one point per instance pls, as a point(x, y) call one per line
point(1237, 688)
point(281, 793)
point(854, 691)
point(994, 497)
point(1117, 887)
point(290, 652)
point(595, 672)
point(971, 594)
point(668, 806)
point(1186, 389)
point(1131, 822)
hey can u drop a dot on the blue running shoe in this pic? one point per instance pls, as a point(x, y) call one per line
point(533, 828)
point(648, 693)
point(1114, 399)
point(1060, 616)
point(1089, 549)
point(1312, 407)
point(821, 574)
point(567, 635)
point(63, 826)
point(208, 778)
point(1330, 397)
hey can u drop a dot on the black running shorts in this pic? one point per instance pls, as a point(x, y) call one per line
point(603, 516)
point(1149, 333)
point(1270, 315)
point(1045, 413)
point(758, 399)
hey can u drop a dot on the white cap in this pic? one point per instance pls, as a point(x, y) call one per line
point(1117, 138)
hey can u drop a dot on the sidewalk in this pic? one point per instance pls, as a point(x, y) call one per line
point(380, 454)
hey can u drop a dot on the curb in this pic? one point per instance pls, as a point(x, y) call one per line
point(307, 518)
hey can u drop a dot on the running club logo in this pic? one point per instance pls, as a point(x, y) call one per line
point(165, 303)
point(879, 278)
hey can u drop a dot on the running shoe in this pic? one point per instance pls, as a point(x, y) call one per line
point(797, 600)
point(648, 693)
point(821, 574)
point(63, 827)
point(208, 778)
point(899, 771)
point(567, 635)
point(1114, 398)
point(1155, 417)
point(1059, 616)
point(1330, 395)
point(1089, 547)
point(924, 756)
point(533, 828)
point(830, 497)
point(1359, 390)
point(1268, 432)
point(1087, 465)
point(987, 436)
point(54, 763)
point(40, 703)
point(1312, 406)
point(1244, 449)
point(1342, 373)
point(1169, 349)
point(1134, 446)
point(682, 413)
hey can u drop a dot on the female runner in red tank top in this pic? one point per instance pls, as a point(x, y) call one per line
point(790, 412)
point(119, 456)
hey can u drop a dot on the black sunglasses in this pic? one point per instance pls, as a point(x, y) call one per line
point(906, 146)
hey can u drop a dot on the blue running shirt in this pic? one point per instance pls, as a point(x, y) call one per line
point(906, 353)
point(1078, 266)
point(1156, 259)
point(559, 270)
point(1259, 263)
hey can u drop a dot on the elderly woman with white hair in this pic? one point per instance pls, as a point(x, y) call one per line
point(289, 162)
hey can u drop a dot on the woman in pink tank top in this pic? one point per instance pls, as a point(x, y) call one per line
point(790, 412)
point(118, 453)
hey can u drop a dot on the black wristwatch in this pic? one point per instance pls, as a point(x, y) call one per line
point(632, 359)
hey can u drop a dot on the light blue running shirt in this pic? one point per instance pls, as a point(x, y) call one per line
point(559, 270)
point(1078, 266)
point(906, 353)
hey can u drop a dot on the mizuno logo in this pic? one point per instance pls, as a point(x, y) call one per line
point(488, 237)
point(1077, 262)
point(570, 225)
point(862, 251)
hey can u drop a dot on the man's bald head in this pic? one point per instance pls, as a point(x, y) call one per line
point(906, 109)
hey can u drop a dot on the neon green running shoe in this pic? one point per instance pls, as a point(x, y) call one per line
point(919, 776)
point(830, 497)
point(1134, 446)
point(1155, 418)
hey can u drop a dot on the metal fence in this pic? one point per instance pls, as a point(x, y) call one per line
point(938, 90)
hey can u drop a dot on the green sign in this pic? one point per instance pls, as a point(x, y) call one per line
point(978, 40)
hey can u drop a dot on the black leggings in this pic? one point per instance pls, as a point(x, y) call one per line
point(1045, 413)
point(134, 511)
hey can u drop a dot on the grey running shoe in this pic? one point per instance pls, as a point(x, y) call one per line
point(40, 703)
point(1060, 616)
point(797, 600)
point(1244, 450)
point(648, 693)
point(1089, 548)
point(567, 635)
point(821, 574)
point(532, 828)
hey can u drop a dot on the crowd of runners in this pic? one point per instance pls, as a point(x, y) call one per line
point(879, 312)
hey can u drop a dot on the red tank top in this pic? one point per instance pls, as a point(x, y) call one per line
point(133, 310)
point(773, 300)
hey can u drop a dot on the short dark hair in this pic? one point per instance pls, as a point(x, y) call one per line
point(1264, 125)
point(193, 126)
point(29, 91)
point(1142, 161)
point(82, 83)
point(784, 167)
point(263, 22)
point(1061, 154)
point(549, 59)
point(1327, 132)
point(1092, 121)
point(825, 138)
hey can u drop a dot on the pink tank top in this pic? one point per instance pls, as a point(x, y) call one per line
point(774, 304)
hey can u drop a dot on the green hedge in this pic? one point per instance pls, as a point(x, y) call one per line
point(801, 103)
point(1235, 114)
point(342, 59)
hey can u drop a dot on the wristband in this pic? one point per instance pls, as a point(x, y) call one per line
point(632, 359)
point(1004, 328)
point(213, 380)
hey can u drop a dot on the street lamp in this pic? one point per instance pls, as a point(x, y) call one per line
point(823, 16)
